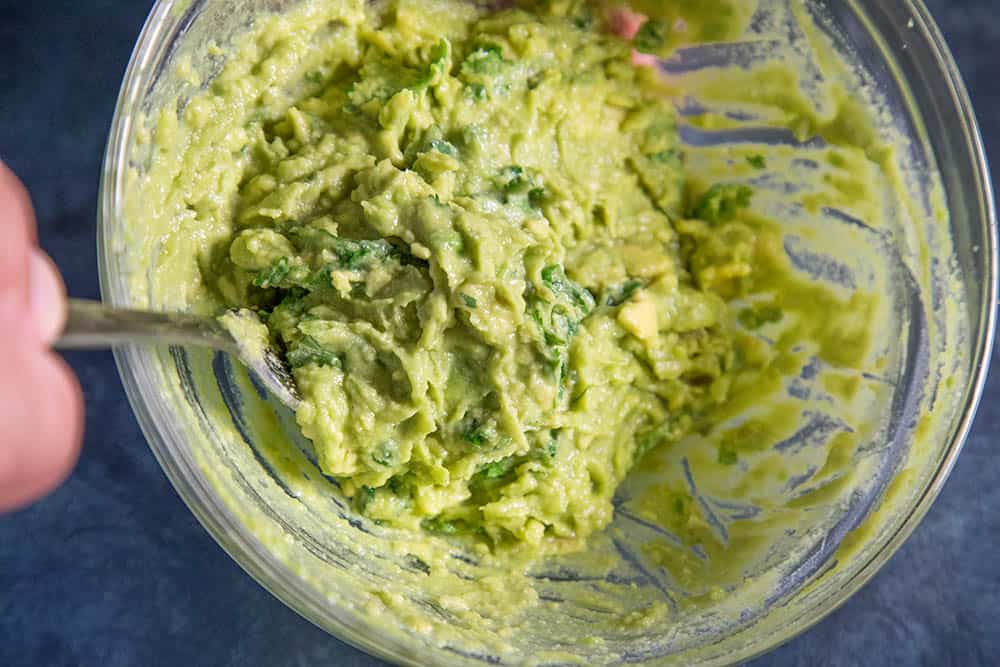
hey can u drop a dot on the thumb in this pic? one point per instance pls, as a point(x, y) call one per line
point(41, 408)
point(46, 297)
point(40, 428)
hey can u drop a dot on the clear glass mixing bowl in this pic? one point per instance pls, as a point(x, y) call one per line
point(180, 396)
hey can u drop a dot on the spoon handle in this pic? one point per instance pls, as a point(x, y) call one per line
point(93, 325)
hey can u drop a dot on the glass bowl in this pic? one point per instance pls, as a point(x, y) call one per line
point(304, 544)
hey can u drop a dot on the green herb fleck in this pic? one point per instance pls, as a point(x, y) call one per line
point(759, 315)
point(497, 469)
point(273, 276)
point(395, 484)
point(555, 278)
point(322, 278)
point(385, 454)
point(757, 161)
point(470, 301)
point(671, 156)
point(552, 449)
point(359, 254)
point(552, 446)
point(722, 202)
point(537, 197)
point(477, 433)
point(728, 457)
point(651, 36)
point(307, 350)
point(486, 58)
point(439, 526)
point(479, 437)
point(619, 295)
point(583, 22)
point(512, 178)
point(536, 317)
point(439, 57)
point(364, 497)
point(315, 77)
point(476, 91)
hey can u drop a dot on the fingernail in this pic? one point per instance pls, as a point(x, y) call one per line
point(47, 295)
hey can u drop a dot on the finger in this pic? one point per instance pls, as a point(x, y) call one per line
point(46, 298)
point(624, 22)
point(17, 229)
point(16, 202)
point(41, 427)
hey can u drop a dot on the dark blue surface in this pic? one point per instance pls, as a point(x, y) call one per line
point(113, 569)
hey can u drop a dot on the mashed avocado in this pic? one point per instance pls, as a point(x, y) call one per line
point(484, 225)
point(474, 246)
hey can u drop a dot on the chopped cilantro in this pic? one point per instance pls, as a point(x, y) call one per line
point(651, 36)
point(476, 91)
point(358, 254)
point(537, 196)
point(555, 278)
point(476, 432)
point(385, 453)
point(512, 178)
point(315, 77)
point(497, 469)
point(619, 295)
point(470, 301)
point(307, 350)
point(551, 449)
point(722, 202)
point(728, 457)
point(322, 278)
point(440, 56)
point(478, 437)
point(273, 276)
point(439, 525)
point(353, 256)
point(395, 484)
point(486, 58)
point(757, 161)
point(671, 156)
point(364, 497)
point(552, 446)
point(759, 315)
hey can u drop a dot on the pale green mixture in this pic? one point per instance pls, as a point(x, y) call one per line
point(475, 249)
point(510, 294)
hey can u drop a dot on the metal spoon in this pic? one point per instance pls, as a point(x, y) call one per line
point(93, 325)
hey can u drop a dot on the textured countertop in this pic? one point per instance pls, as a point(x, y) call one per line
point(114, 570)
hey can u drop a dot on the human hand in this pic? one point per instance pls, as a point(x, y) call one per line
point(41, 407)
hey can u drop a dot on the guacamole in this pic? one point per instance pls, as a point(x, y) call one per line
point(475, 249)
point(494, 306)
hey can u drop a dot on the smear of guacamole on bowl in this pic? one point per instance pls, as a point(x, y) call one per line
point(475, 249)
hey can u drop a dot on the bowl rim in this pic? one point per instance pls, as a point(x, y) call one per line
point(154, 422)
